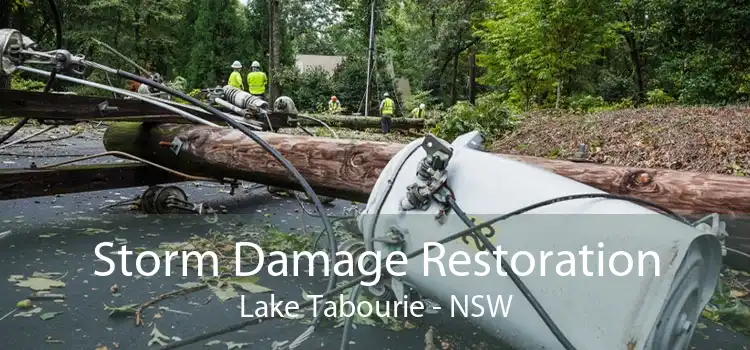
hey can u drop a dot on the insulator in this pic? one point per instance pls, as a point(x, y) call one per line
point(243, 99)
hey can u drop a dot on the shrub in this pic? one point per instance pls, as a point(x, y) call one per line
point(658, 97)
point(490, 116)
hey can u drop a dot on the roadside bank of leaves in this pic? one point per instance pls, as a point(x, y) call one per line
point(701, 139)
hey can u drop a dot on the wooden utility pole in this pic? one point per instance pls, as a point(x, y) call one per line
point(4, 23)
point(349, 169)
point(274, 62)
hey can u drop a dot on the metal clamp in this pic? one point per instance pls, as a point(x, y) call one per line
point(716, 227)
point(431, 174)
point(104, 107)
point(176, 145)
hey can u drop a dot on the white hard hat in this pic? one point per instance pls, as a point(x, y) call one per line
point(255, 64)
point(385, 94)
point(421, 106)
point(236, 64)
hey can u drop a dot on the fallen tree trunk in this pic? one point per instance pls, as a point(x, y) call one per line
point(348, 169)
point(362, 123)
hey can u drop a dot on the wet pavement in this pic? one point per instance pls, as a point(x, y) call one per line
point(59, 234)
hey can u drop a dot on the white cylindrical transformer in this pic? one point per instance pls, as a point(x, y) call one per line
point(593, 298)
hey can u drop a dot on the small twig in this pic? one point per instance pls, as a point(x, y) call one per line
point(35, 296)
point(63, 276)
point(8, 314)
point(139, 309)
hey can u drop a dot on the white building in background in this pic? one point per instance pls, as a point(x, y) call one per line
point(327, 63)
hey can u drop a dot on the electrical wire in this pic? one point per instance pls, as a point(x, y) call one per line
point(738, 252)
point(548, 321)
point(319, 122)
point(418, 252)
point(123, 92)
point(21, 140)
point(275, 153)
point(129, 156)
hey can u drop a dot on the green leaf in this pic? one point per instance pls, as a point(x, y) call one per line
point(158, 338)
point(224, 291)
point(248, 284)
point(29, 313)
point(124, 310)
point(189, 285)
point(49, 315)
point(37, 283)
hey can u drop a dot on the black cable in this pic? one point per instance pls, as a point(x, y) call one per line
point(289, 167)
point(564, 341)
point(418, 252)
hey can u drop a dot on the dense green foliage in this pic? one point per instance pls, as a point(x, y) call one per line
point(529, 54)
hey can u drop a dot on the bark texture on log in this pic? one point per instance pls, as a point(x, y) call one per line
point(340, 168)
point(348, 169)
point(362, 123)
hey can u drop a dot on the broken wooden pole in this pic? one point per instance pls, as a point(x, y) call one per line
point(348, 169)
point(27, 183)
point(363, 123)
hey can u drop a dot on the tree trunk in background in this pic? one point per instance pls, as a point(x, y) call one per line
point(454, 89)
point(275, 59)
point(472, 77)
point(4, 23)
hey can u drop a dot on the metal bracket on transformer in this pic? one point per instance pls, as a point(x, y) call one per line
point(431, 175)
point(712, 224)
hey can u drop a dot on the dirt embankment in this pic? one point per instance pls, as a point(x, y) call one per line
point(703, 139)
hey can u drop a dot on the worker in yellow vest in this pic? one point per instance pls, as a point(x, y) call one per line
point(334, 105)
point(235, 79)
point(418, 112)
point(257, 81)
point(386, 113)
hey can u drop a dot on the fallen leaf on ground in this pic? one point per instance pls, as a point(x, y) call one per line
point(232, 345)
point(248, 284)
point(48, 235)
point(94, 231)
point(50, 340)
point(24, 304)
point(224, 291)
point(28, 313)
point(738, 293)
point(212, 343)
point(47, 274)
point(49, 315)
point(103, 347)
point(158, 338)
point(189, 285)
point(38, 283)
point(15, 278)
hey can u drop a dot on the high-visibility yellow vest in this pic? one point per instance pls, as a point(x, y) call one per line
point(256, 82)
point(417, 112)
point(387, 107)
point(235, 80)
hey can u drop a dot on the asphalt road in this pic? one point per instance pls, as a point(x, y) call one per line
point(59, 234)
